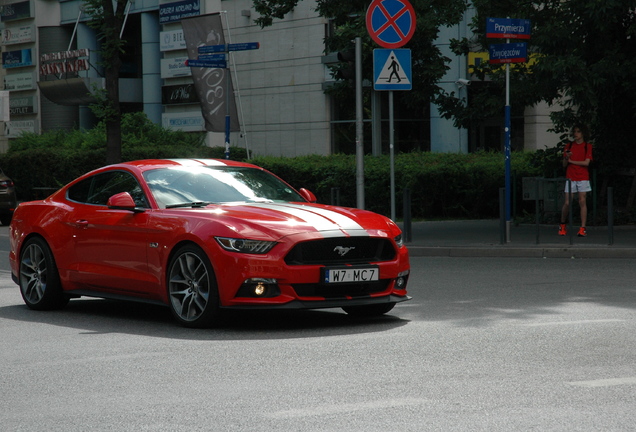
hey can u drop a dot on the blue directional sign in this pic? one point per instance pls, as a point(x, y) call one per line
point(215, 64)
point(229, 47)
point(508, 28)
point(392, 69)
point(212, 57)
point(508, 53)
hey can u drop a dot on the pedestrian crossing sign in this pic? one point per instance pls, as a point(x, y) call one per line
point(392, 69)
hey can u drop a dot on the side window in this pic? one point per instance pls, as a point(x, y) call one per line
point(97, 189)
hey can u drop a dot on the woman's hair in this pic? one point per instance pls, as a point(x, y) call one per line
point(584, 130)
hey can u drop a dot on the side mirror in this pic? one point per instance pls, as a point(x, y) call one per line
point(122, 201)
point(308, 195)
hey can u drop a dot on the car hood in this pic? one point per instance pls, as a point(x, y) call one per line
point(277, 220)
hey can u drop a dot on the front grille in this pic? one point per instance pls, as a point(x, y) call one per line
point(334, 291)
point(341, 250)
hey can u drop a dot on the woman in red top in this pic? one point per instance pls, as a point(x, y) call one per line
point(576, 159)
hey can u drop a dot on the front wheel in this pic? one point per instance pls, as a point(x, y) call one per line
point(369, 310)
point(192, 288)
point(39, 279)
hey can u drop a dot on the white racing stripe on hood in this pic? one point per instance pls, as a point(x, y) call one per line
point(320, 219)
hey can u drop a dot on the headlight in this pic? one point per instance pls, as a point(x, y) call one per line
point(399, 240)
point(245, 245)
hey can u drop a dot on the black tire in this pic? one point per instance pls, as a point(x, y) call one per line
point(6, 219)
point(192, 288)
point(369, 310)
point(39, 279)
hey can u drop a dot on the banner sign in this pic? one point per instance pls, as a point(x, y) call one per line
point(15, 59)
point(17, 35)
point(19, 81)
point(508, 28)
point(211, 84)
point(22, 105)
point(184, 121)
point(64, 62)
point(13, 129)
point(508, 53)
point(171, 12)
point(171, 40)
point(174, 68)
point(179, 94)
point(15, 11)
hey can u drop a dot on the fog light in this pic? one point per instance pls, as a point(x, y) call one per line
point(259, 290)
point(259, 287)
point(400, 282)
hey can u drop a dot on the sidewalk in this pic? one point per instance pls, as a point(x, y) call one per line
point(482, 238)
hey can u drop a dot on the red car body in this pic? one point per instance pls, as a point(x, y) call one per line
point(123, 250)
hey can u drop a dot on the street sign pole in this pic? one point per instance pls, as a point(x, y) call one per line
point(392, 152)
point(507, 154)
point(518, 29)
point(359, 127)
point(217, 61)
point(391, 24)
point(228, 123)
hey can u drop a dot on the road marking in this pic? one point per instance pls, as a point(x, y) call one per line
point(602, 321)
point(346, 408)
point(605, 382)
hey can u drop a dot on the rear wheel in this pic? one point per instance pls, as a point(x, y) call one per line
point(39, 279)
point(192, 288)
point(369, 310)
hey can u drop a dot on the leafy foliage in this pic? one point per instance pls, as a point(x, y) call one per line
point(54, 158)
point(348, 18)
point(585, 51)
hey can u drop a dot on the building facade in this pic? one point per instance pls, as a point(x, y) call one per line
point(51, 65)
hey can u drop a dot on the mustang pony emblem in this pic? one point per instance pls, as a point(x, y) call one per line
point(342, 251)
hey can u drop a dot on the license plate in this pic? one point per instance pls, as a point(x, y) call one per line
point(343, 275)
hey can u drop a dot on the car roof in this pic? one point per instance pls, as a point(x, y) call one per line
point(149, 164)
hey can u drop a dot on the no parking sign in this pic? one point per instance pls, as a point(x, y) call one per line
point(391, 23)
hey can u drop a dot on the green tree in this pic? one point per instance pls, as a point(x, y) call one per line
point(348, 18)
point(585, 53)
point(107, 18)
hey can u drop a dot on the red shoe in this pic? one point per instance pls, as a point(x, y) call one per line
point(582, 232)
point(563, 230)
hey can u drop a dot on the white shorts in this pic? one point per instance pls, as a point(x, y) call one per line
point(578, 186)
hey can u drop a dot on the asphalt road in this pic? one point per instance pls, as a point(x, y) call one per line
point(486, 344)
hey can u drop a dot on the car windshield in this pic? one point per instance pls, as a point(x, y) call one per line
point(195, 187)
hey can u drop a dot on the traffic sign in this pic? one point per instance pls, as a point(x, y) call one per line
point(392, 69)
point(215, 64)
point(508, 53)
point(391, 23)
point(508, 28)
point(206, 49)
point(212, 57)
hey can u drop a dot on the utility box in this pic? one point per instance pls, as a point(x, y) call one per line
point(532, 188)
point(548, 191)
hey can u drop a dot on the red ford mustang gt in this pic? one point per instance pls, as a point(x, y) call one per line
point(201, 235)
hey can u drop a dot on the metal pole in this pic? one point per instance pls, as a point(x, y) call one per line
point(507, 152)
point(408, 228)
point(570, 216)
point(536, 205)
point(610, 215)
point(502, 215)
point(359, 127)
point(227, 106)
point(392, 153)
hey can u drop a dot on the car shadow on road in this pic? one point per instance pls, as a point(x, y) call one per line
point(99, 316)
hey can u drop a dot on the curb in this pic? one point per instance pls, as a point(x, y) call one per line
point(521, 252)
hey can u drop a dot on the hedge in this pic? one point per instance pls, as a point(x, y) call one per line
point(441, 185)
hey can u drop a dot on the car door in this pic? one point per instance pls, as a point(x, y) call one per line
point(110, 244)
